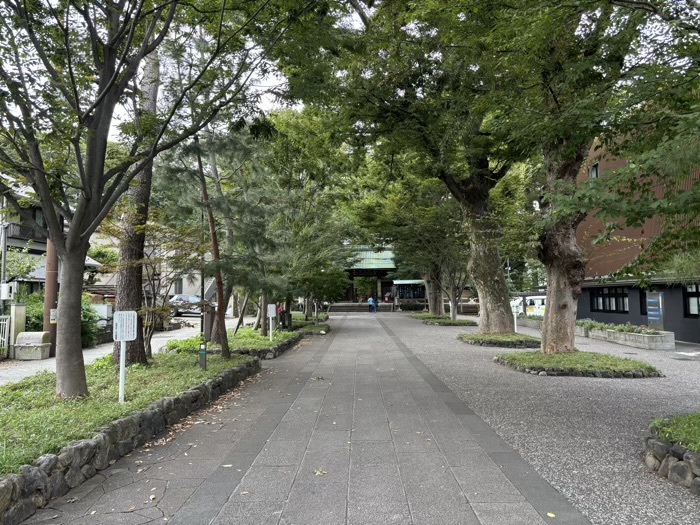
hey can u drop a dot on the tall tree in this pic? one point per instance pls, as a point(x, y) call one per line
point(133, 239)
point(59, 92)
point(564, 64)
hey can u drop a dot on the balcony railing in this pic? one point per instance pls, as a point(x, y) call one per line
point(26, 233)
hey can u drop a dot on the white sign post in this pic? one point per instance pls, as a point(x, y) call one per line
point(272, 313)
point(124, 329)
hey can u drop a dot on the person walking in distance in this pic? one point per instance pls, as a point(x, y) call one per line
point(370, 301)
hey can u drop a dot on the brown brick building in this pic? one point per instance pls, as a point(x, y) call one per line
point(623, 301)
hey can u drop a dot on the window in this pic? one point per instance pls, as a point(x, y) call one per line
point(611, 299)
point(593, 171)
point(643, 302)
point(178, 286)
point(691, 296)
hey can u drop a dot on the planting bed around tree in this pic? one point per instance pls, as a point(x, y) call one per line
point(580, 364)
point(501, 340)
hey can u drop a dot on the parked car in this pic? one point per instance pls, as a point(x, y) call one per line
point(186, 304)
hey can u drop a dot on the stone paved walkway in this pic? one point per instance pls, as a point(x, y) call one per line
point(350, 428)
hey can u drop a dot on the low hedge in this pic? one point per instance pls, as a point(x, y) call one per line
point(449, 322)
point(502, 340)
point(430, 317)
point(588, 364)
point(627, 327)
point(246, 339)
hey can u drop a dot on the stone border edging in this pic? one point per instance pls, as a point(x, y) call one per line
point(543, 371)
point(53, 475)
point(673, 462)
point(275, 351)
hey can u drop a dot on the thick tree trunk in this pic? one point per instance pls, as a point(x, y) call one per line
point(495, 314)
point(133, 241)
point(436, 305)
point(566, 270)
point(71, 381)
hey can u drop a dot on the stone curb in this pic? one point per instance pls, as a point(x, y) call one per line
point(673, 462)
point(53, 475)
point(542, 371)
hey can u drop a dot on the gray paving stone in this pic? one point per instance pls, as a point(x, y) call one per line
point(486, 483)
point(281, 453)
point(264, 484)
point(322, 503)
point(373, 453)
point(334, 462)
point(329, 440)
point(381, 432)
point(507, 514)
point(255, 513)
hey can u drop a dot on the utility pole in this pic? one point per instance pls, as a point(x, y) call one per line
point(51, 293)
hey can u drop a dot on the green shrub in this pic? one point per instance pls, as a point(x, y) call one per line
point(180, 346)
point(431, 317)
point(627, 327)
point(449, 322)
point(503, 340)
point(681, 430)
point(578, 364)
point(249, 339)
point(88, 323)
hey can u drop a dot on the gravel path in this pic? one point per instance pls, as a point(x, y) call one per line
point(581, 434)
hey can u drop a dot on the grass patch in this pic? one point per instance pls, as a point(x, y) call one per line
point(578, 364)
point(297, 324)
point(430, 317)
point(245, 339)
point(315, 329)
point(299, 316)
point(34, 422)
point(503, 340)
point(681, 430)
point(449, 322)
point(249, 339)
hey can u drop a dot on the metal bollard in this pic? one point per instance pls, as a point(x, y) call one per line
point(203, 356)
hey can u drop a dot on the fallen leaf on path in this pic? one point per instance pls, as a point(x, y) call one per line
point(227, 466)
point(153, 497)
point(319, 472)
point(550, 515)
